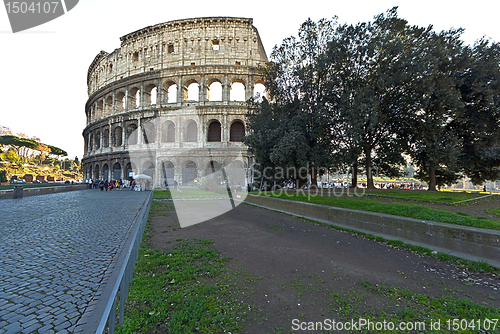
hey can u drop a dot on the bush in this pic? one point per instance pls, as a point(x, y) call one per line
point(3, 176)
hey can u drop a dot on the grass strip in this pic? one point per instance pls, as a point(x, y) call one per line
point(399, 209)
point(453, 314)
point(188, 289)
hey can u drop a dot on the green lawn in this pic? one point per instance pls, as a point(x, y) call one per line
point(399, 209)
point(447, 197)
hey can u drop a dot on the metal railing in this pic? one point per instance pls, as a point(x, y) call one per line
point(118, 284)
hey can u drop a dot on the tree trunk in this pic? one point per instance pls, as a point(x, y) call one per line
point(314, 178)
point(354, 180)
point(432, 180)
point(369, 175)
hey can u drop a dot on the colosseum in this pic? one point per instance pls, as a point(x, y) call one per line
point(170, 103)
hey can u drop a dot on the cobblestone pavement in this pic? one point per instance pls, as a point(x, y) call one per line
point(56, 251)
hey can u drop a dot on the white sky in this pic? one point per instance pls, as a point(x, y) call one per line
point(44, 70)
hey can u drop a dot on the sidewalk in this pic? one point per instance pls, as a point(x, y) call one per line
point(57, 251)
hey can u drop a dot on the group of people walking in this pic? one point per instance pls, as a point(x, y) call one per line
point(111, 184)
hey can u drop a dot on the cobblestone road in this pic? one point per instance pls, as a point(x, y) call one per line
point(56, 251)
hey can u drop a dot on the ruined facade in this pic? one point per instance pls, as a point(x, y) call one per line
point(168, 97)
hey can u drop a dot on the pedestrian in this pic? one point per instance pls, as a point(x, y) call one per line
point(106, 184)
point(101, 185)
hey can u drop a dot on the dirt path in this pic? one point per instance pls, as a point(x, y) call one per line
point(304, 271)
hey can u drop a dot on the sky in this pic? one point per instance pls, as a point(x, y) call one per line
point(44, 69)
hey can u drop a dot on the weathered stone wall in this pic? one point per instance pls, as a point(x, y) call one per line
point(148, 77)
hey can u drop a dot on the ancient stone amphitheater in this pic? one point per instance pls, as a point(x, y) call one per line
point(170, 102)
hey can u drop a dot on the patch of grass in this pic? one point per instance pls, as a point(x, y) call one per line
point(189, 289)
point(423, 309)
point(494, 211)
point(399, 209)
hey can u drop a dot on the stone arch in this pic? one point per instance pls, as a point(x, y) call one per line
point(96, 171)
point(151, 94)
point(100, 108)
point(105, 172)
point(189, 172)
point(105, 138)
point(90, 172)
point(109, 105)
point(259, 90)
point(149, 132)
point(212, 167)
point(132, 134)
point(168, 132)
point(214, 133)
point(117, 171)
point(236, 173)
point(168, 172)
point(91, 142)
point(237, 92)
point(120, 101)
point(134, 98)
point(97, 139)
point(191, 131)
point(214, 90)
point(148, 169)
point(130, 169)
point(237, 131)
point(191, 90)
point(117, 136)
point(171, 91)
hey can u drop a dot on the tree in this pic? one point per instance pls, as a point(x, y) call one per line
point(297, 133)
point(10, 156)
point(479, 124)
point(438, 59)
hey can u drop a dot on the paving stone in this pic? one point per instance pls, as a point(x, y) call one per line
point(57, 251)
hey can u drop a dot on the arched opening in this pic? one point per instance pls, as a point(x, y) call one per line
point(117, 136)
point(168, 172)
point(91, 142)
point(171, 89)
point(192, 132)
point(212, 167)
point(168, 132)
point(120, 102)
point(237, 91)
point(105, 138)
point(151, 94)
point(189, 173)
point(132, 134)
point(96, 172)
point(100, 109)
point(214, 92)
point(214, 132)
point(105, 172)
point(97, 140)
point(90, 175)
point(236, 173)
point(148, 169)
point(134, 98)
point(191, 91)
point(117, 171)
point(237, 131)
point(259, 91)
point(149, 132)
point(109, 105)
point(129, 171)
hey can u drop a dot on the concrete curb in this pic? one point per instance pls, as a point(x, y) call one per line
point(8, 194)
point(463, 241)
